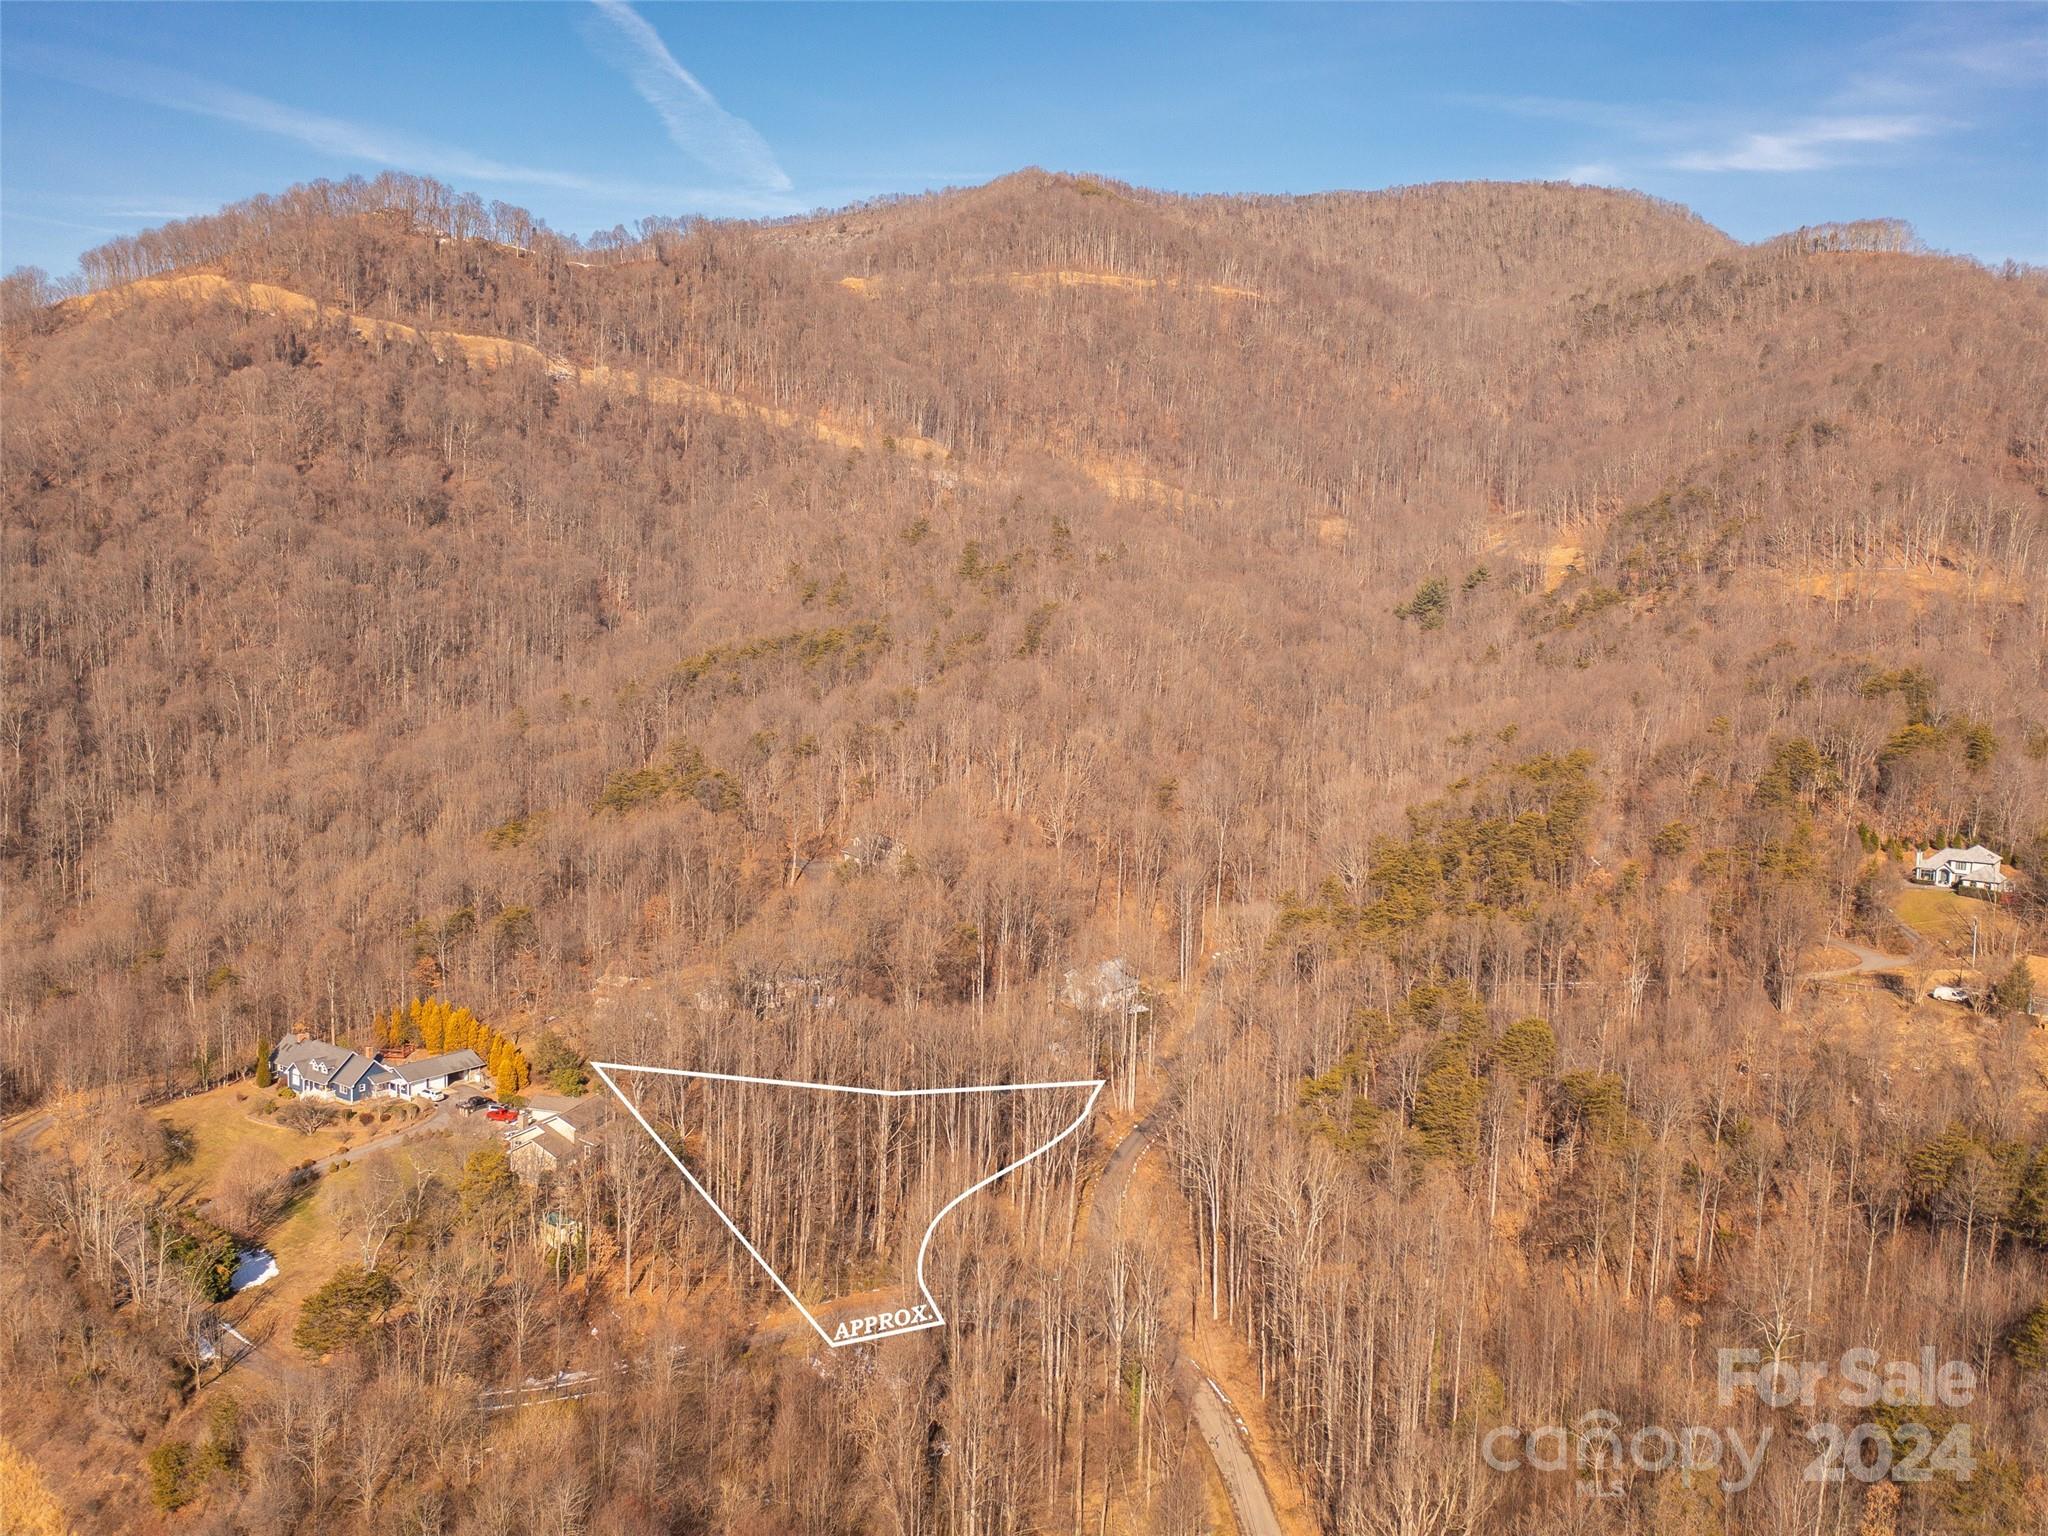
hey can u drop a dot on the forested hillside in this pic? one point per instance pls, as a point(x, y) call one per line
point(1475, 652)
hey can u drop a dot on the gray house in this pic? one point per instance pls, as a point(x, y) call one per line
point(431, 1074)
point(330, 1071)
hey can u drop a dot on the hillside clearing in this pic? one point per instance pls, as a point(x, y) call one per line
point(1940, 917)
point(222, 1125)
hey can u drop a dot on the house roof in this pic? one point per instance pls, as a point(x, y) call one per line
point(569, 1119)
point(320, 1061)
point(447, 1064)
point(557, 1150)
point(351, 1072)
point(303, 1053)
point(1975, 854)
point(587, 1111)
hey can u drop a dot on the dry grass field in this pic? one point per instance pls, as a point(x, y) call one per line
point(225, 1131)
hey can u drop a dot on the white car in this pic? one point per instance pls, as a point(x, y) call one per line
point(1949, 995)
point(431, 1095)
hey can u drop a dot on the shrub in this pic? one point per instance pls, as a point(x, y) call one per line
point(1430, 605)
point(1596, 1100)
point(168, 1465)
point(554, 1060)
point(222, 1451)
point(1525, 1049)
point(2028, 1342)
point(344, 1310)
point(2014, 991)
point(203, 1250)
point(1446, 1112)
point(304, 1116)
point(249, 1189)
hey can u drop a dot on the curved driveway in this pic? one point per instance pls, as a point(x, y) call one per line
point(1868, 962)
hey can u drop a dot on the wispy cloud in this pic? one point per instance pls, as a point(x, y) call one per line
point(1673, 137)
point(348, 140)
point(697, 124)
point(1950, 51)
point(1933, 78)
point(1812, 145)
point(54, 223)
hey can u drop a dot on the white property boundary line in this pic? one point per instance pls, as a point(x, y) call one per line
point(605, 1069)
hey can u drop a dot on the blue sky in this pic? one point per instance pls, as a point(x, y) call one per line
point(1761, 117)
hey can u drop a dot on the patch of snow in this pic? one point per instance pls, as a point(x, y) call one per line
point(253, 1266)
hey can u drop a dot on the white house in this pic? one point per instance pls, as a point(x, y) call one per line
point(1974, 869)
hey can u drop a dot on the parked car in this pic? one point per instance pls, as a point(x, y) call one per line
point(1946, 994)
point(502, 1115)
point(432, 1095)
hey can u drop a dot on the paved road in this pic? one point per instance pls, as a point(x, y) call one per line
point(1227, 1437)
point(1868, 962)
point(1221, 1428)
point(445, 1117)
point(24, 1129)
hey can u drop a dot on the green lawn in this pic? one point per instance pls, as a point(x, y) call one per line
point(1941, 917)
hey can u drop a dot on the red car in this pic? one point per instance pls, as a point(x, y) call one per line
point(503, 1116)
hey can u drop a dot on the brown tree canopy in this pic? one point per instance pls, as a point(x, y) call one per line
point(1463, 648)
